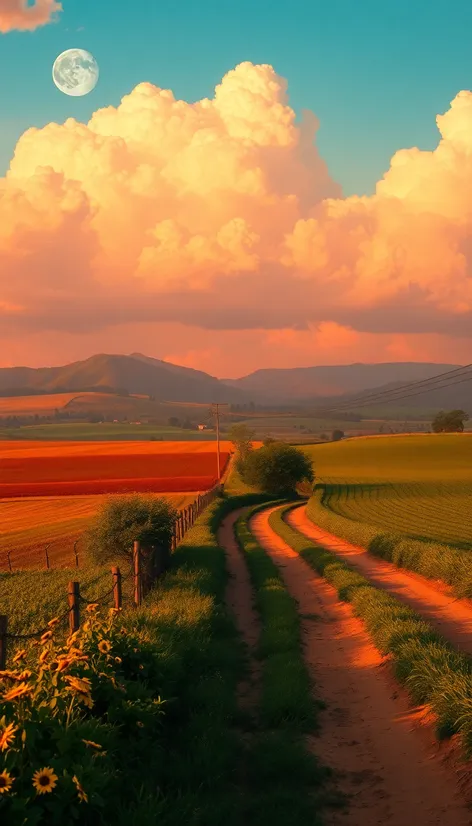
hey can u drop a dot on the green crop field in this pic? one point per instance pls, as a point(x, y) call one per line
point(415, 486)
point(114, 431)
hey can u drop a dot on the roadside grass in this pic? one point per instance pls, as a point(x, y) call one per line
point(431, 669)
point(430, 559)
point(190, 774)
point(291, 784)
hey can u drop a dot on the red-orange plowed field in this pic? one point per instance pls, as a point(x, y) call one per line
point(70, 471)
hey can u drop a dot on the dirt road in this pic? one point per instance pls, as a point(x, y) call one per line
point(450, 616)
point(387, 762)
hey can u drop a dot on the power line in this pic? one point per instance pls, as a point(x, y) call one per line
point(438, 382)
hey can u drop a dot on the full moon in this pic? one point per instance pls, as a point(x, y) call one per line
point(75, 72)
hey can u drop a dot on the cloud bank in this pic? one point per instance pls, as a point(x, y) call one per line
point(18, 14)
point(198, 226)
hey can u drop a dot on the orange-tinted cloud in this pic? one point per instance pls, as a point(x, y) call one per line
point(18, 14)
point(221, 216)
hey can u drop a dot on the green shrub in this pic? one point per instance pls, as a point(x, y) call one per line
point(122, 520)
point(276, 468)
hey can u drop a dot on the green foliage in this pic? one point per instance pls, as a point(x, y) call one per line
point(242, 438)
point(449, 422)
point(426, 557)
point(431, 669)
point(337, 435)
point(124, 519)
point(286, 694)
point(277, 468)
point(71, 722)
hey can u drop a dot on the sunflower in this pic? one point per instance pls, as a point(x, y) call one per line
point(25, 675)
point(43, 656)
point(53, 622)
point(6, 781)
point(47, 636)
point(92, 607)
point(44, 780)
point(82, 686)
point(92, 744)
point(8, 675)
point(82, 795)
point(104, 646)
point(20, 655)
point(18, 691)
point(7, 736)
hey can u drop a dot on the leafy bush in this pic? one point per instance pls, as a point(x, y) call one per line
point(123, 520)
point(63, 720)
point(277, 468)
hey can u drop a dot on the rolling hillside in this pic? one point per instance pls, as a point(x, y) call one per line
point(135, 374)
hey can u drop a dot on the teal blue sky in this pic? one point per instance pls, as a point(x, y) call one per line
point(375, 72)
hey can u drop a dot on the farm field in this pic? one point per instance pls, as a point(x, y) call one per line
point(49, 491)
point(29, 469)
point(30, 525)
point(415, 486)
point(112, 431)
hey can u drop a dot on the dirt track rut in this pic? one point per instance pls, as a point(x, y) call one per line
point(387, 763)
point(450, 616)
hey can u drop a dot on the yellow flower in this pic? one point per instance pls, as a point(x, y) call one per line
point(44, 780)
point(25, 675)
point(73, 637)
point(47, 636)
point(7, 736)
point(53, 622)
point(92, 607)
point(18, 691)
point(79, 683)
point(6, 781)
point(140, 724)
point(80, 791)
point(19, 656)
point(8, 675)
point(104, 646)
point(118, 660)
point(92, 744)
point(43, 656)
point(83, 687)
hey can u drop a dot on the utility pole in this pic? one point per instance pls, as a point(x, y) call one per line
point(215, 410)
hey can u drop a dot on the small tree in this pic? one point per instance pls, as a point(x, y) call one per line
point(277, 468)
point(124, 519)
point(337, 435)
point(242, 438)
point(450, 422)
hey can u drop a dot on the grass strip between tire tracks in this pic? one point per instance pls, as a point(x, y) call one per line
point(432, 670)
point(294, 780)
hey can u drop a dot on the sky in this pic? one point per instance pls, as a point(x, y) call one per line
point(250, 184)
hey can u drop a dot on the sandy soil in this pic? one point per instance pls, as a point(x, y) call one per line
point(387, 764)
point(240, 600)
point(450, 616)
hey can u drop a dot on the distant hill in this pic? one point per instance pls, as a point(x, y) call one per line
point(135, 374)
point(305, 384)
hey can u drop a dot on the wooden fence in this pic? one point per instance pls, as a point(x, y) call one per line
point(148, 564)
point(183, 523)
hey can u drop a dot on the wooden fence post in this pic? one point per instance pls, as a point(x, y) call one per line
point(137, 573)
point(47, 556)
point(73, 596)
point(3, 641)
point(117, 593)
point(9, 561)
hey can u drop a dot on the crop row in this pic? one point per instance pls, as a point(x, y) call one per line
point(432, 670)
point(431, 559)
point(439, 512)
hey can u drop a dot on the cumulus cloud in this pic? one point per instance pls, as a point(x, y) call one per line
point(19, 14)
point(221, 215)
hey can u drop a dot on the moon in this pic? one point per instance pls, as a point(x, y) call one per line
point(75, 72)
